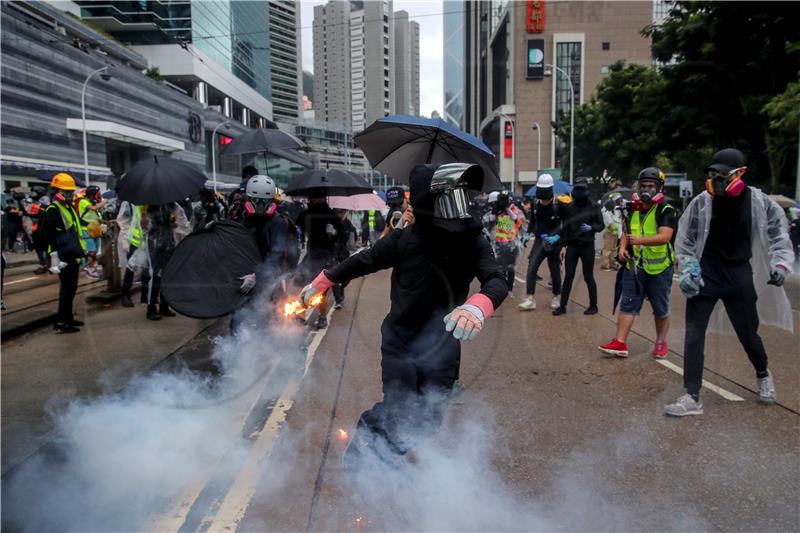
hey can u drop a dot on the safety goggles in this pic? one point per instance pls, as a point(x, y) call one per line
point(714, 174)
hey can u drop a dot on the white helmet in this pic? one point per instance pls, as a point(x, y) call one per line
point(545, 181)
point(260, 187)
point(493, 196)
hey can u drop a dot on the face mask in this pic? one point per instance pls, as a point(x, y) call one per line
point(719, 184)
point(544, 194)
point(260, 207)
point(580, 194)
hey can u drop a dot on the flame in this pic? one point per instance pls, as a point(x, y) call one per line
point(343, 434)
point(293, 308)
point(316, 300)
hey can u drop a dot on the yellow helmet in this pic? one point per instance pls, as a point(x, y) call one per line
point(63, 181)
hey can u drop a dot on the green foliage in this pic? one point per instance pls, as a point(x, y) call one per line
point(727, 76)
point(153, 73)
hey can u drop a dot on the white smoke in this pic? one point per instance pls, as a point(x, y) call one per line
point(120, 458)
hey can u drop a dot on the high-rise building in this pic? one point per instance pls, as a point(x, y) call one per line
point(286, 67)
point(406, 64)
point(454, 71)
point(331, 34)
point(196, 46)
point(354, 62)
point(510, 86)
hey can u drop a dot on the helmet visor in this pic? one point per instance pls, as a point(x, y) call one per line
point(452, 204)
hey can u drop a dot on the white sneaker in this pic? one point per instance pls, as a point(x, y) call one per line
point(528, 304)
point(555, 303)
point(766, 389)
point(685, 405)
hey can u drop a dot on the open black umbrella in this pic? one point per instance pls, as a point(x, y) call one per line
point(328, 182)
point(397, 143)
point(262, 140)
point(201, 279)
point(159, 180)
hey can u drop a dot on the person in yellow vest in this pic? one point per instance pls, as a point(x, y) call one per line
point(66, 249)
point(650, 241)
point(132, 216)
point(507, 219)
point(88, 208)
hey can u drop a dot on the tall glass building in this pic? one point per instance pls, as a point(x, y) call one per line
point(454, 74)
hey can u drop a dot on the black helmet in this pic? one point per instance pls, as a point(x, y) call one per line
point(652, 174)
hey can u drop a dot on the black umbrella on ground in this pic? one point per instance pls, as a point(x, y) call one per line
point(396, 144)
point(327, 182)
point(201, 279)
point(159, 180)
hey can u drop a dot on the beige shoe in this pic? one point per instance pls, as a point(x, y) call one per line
point(528, 304)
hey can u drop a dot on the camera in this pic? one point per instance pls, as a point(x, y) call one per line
point(629, 206)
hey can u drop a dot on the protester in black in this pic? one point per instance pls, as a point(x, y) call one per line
point(582, 219)
point(344, 247)
point(433, 261)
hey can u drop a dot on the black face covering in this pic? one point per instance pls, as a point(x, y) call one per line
point(580, 195)
point(544, 193)
point(719, 184)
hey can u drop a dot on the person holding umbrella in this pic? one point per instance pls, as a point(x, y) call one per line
point(61, 228)
point(434, 261)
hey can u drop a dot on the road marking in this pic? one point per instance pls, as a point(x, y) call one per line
point(710, 386)
point(20, 280)
point(519, 279)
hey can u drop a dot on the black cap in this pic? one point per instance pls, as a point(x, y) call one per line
point(726, 160)
point(580, 183)
point(394, 195)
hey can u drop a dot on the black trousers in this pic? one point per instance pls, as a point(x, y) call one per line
point(66, 291)
point(127, 279)
point(585, 252)
point(535, 258)
point(507, 259)
point(733, 284)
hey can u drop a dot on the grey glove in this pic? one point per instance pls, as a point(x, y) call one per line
point(777, 277)
point(330, 230)
point(248, 282)
point(56, 264)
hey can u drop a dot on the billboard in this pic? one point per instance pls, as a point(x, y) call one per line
point(535, 63)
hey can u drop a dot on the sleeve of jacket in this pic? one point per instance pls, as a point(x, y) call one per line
point(780, 249)
point(382, 255)
point(491, 277)
point(532, 219)
point(686, 239)
point(597, 220)
point(51, 221)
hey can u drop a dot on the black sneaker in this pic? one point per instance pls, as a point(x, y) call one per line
point(77, 323)
point(65, 328)
point(591, 310)
point(40, 270)
point(126, 301)
point(559, 311)
point(166, 312)
point(322, 322)
point(152, 313)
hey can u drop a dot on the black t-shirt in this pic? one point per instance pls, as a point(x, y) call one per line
point(729, 235)
point(545, 219)
point(666, 216)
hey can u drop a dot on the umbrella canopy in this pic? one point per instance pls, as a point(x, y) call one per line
point(559, 187)
point(357, 202)
point(396, 144)
point(327, 182)
point(783, 201)
point(262, 140)
point(160, 180)
point(201, 279)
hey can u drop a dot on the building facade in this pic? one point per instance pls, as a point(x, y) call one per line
point(332, 91)
point(48, 56)
point(509, 47)
point(454, 71)
point(406, 53)
point(286, 67)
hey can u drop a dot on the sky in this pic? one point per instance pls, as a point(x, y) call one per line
point(428, 15)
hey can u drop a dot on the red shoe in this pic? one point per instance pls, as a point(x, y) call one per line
point(620, 349)
point(660, 349)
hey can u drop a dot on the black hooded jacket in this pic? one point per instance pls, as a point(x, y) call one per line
point(433, 264)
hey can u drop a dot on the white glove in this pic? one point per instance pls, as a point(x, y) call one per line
point(248, 282)
point(56, 264)
point(465, 321)
point(330, 230)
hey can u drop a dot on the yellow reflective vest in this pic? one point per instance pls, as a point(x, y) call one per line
point(653, 259)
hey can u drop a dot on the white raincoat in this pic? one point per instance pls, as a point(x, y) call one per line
point(771, 247)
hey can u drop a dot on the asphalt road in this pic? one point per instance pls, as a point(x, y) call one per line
point(546, 436)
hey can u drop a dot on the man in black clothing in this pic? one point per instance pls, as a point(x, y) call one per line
point(62, 235)
point(320, 227)
point(433, 261)
point(717, 237)
point(544, 227)
point(344, 247)
point(582, 220)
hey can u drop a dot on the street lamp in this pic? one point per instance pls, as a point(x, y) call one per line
point(514, 146)
point(226, 125)
point(105, 77)
point(538, 148)
point(571, 120)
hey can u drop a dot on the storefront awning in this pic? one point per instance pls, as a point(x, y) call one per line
point(120, 132)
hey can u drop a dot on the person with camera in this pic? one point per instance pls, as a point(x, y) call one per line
point(582, 219)
point(732, 245)
point(544, 225)
point(400, 213)
point(646, 250)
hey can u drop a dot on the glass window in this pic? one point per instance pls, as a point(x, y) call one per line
point(568, 57)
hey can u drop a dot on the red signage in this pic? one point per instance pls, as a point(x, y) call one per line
point(508, 140)
point(534, 16)
point(224, 141)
